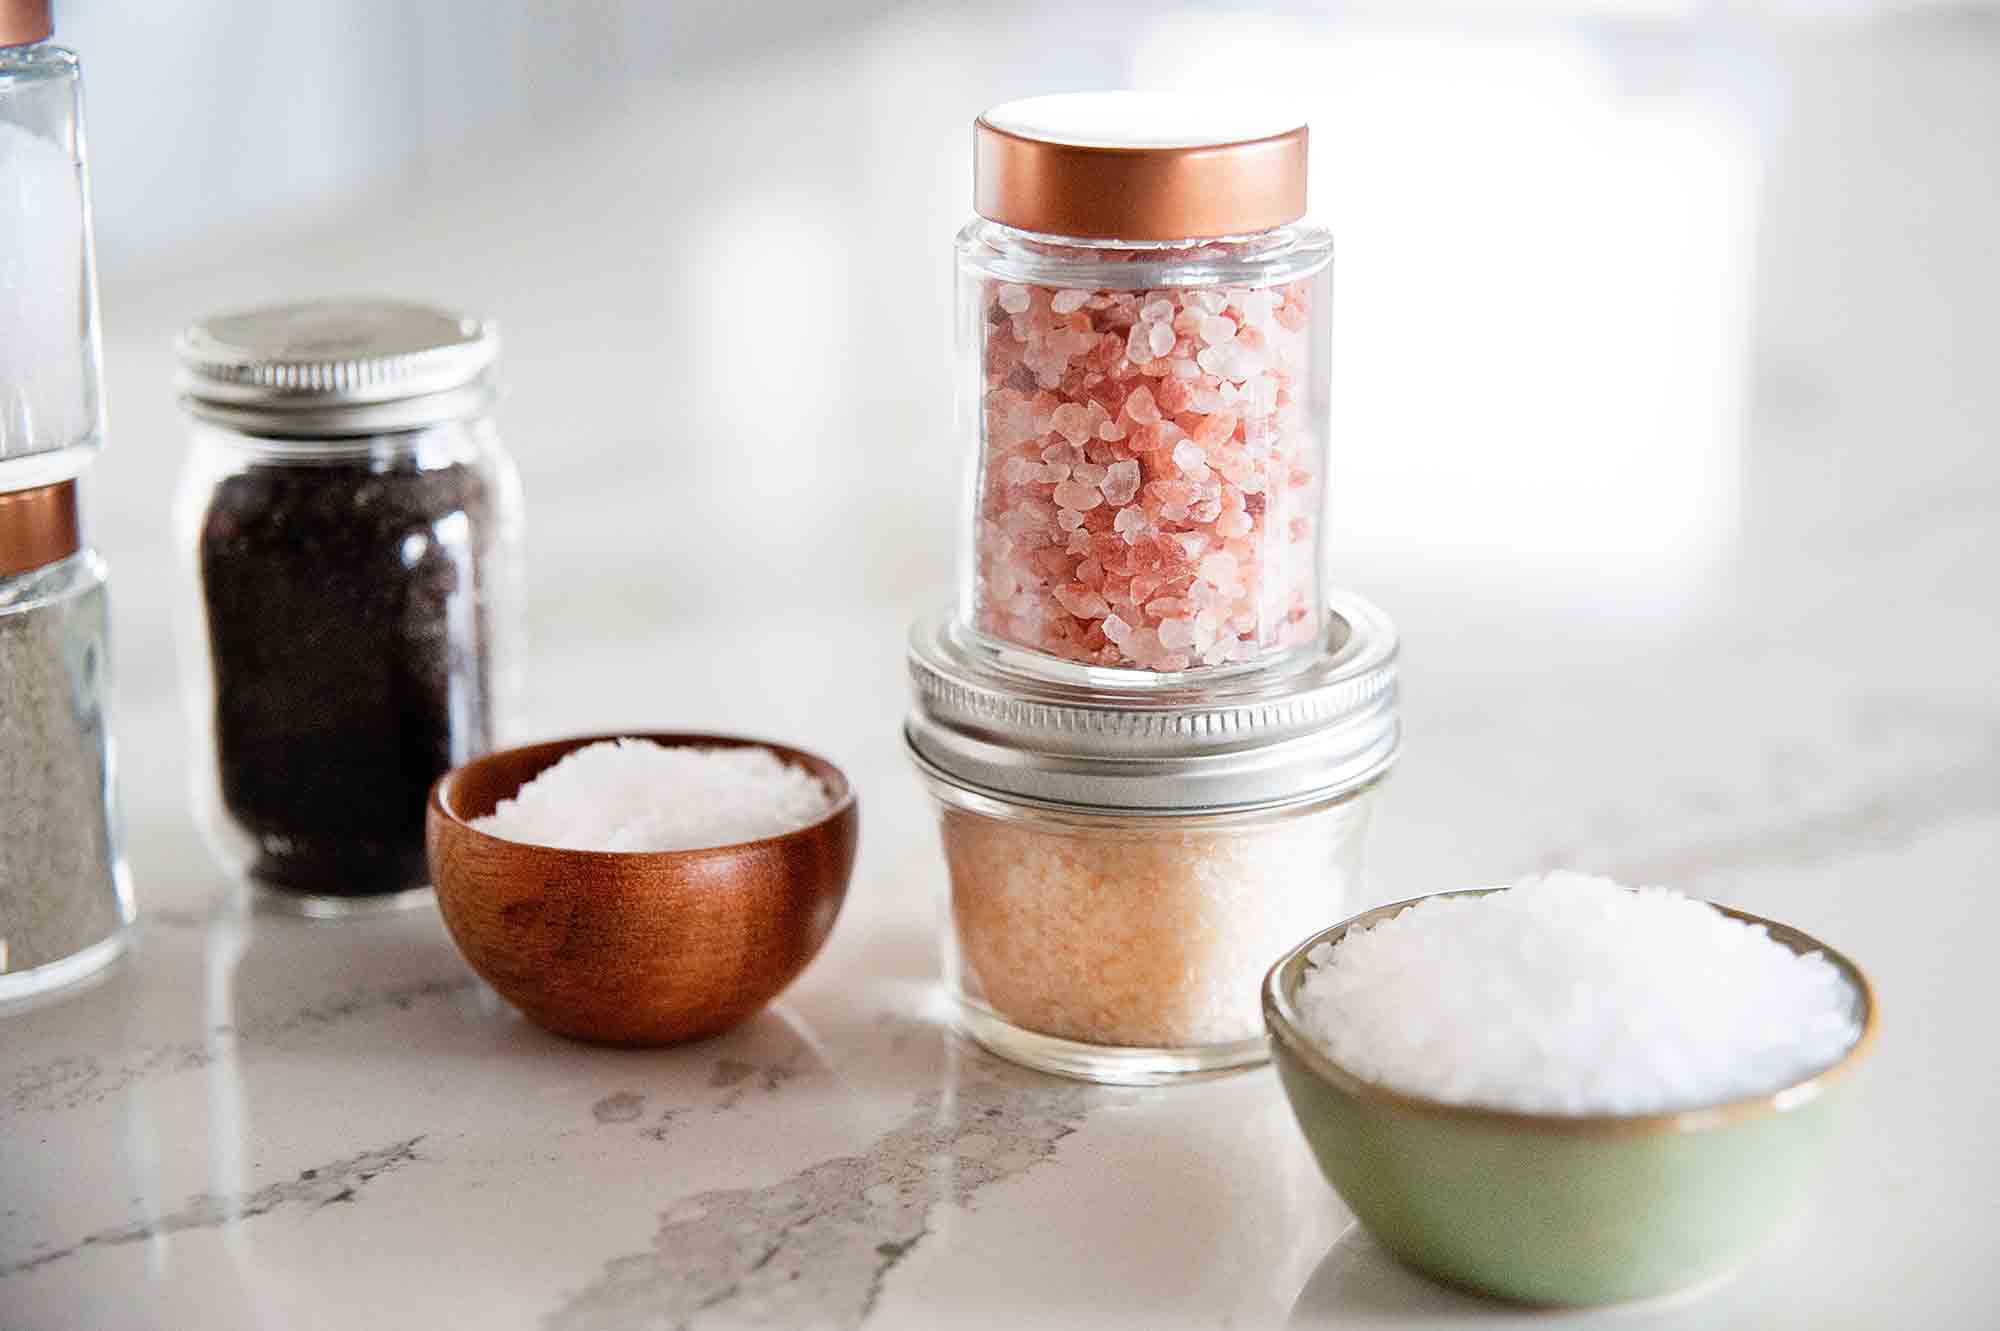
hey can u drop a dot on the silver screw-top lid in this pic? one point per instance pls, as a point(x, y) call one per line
point(1305, 730)
point(337, 368)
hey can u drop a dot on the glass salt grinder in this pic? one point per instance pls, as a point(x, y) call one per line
point(1145, 338)
point(65, 895)
point(350, 526)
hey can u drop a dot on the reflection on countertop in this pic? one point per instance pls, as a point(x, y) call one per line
point(1667, 439)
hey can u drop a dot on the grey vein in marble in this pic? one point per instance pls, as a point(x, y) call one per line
point(816, 1247)
point(340, 1181)
point(77, 1080)
point(1936, 766)
point(619, 1107)
point(729, 1071)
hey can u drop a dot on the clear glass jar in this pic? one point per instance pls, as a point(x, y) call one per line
point(1128, 948)
point(352, 596)
point(65, 896)
point(1123, 870)
point(50, 422)
point(1145, 340)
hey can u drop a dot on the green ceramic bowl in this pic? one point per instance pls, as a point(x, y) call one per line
point(1553, 1209)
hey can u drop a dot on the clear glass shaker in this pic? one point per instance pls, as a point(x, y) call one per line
point(65, 895)
point(49, 417)
point(350, 524)
point(1144, 326)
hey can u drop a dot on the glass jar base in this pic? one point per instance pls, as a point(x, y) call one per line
point(316, 907)
point(74, 969)
point(1116, 1065)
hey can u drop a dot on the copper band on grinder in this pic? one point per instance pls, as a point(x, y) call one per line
point(24, 21)
point(38, 527)
point(1067, 189)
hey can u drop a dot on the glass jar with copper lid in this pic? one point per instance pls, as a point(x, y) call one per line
point(65, 898)
point(1144, 328)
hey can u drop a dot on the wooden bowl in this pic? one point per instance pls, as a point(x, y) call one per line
point(634, 947)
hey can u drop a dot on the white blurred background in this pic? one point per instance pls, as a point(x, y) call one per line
point(1659, 325)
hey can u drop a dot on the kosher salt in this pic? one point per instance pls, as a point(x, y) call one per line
point(636, 794)
point(1568, 994)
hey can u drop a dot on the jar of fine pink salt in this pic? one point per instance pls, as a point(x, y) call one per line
point(1145, 334)
point(1124, 868)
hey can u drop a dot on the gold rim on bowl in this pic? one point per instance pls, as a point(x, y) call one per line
point(1283, 1021)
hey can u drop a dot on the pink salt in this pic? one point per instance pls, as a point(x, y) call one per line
point(1142, 449)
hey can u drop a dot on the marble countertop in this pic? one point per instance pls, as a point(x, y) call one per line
point(1765, 674)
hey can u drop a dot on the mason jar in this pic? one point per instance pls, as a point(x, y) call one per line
point(350, 526)
point(1124, 868)
point(1144, 331)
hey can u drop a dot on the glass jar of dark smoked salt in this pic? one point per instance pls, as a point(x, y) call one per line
point(350, 523)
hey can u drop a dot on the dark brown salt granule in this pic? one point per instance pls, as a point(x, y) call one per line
point(58, 888)
point(348, 632)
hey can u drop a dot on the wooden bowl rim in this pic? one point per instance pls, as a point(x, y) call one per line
point(843, 803)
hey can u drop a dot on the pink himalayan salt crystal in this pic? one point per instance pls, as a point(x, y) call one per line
point(1078, 496)
point(1215, 429)
point(1082, 601)
point(1121, 481)
point(1072, 422)
point(1138, 346)
point(1104, 424)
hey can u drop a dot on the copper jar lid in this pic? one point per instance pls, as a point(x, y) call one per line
point(1139, 166)
point(24, 21)
point(38, 527)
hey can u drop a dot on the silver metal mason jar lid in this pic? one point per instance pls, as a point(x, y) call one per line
point(336, 368)
point(1305, 729)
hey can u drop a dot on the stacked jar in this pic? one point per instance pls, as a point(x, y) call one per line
point(1149, 726)
point(65, 899)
